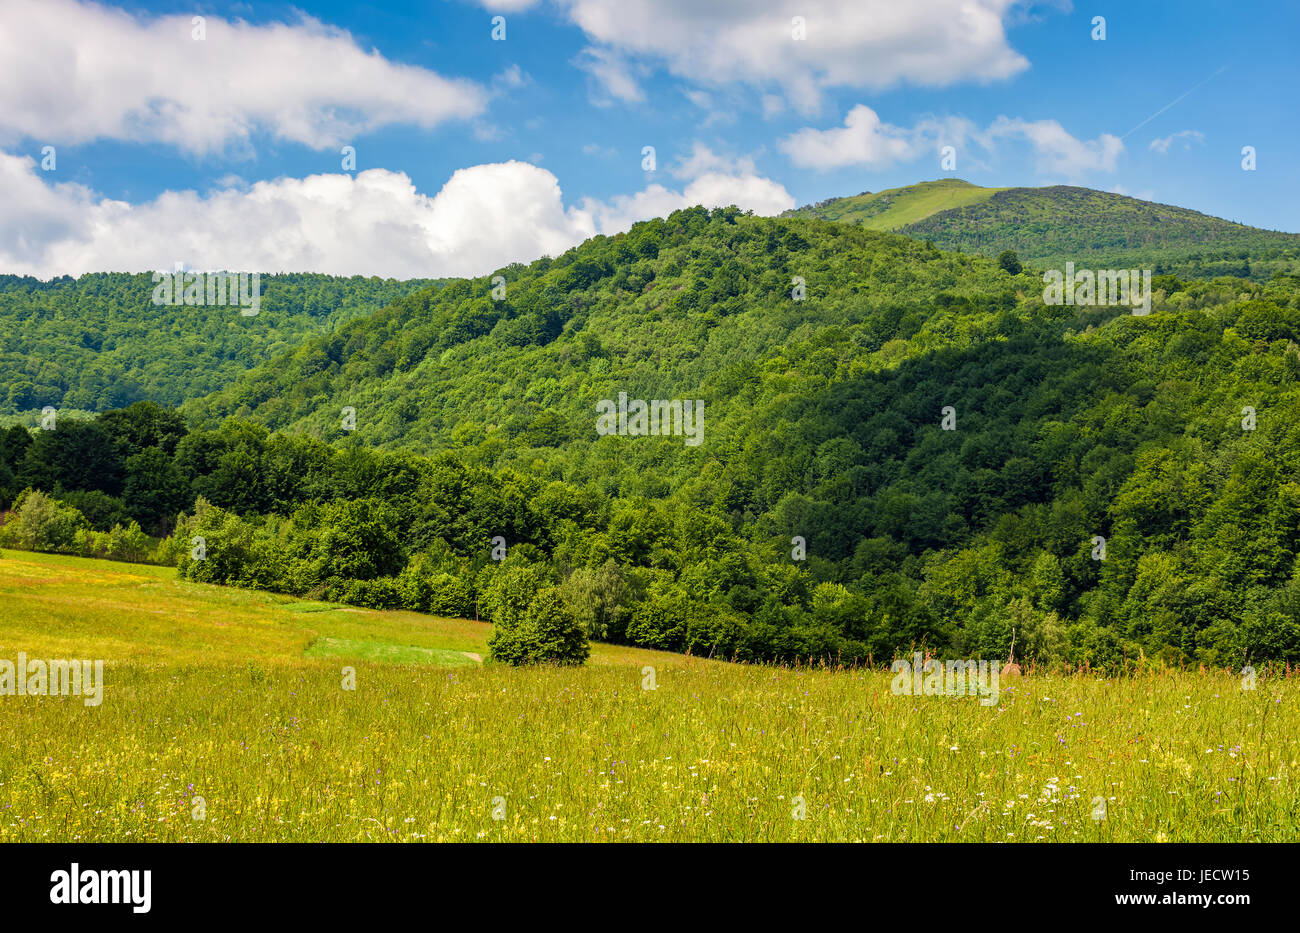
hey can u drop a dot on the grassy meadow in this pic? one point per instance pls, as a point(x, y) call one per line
point(898, 207)
point(236, 697)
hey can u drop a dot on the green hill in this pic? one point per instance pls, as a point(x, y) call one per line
point(1048, 227)
point(98, 342)
point(898, 207)
point(674, 307)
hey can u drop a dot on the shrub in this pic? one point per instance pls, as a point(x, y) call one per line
point(128, 543)
point(450, 596)
point(715, 632)
point(232, 552)
point(381, 593)
point(546, 633)
point(423, 587)
point(351, 540)
point(508, 592)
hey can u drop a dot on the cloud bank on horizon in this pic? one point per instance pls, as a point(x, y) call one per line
point(373, 223)
point(746, 101)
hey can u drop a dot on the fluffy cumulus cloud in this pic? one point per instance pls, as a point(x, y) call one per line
point(866, 141)
point(75, 71)
point(701, 160)
point(712, 189)
point(848, 43)
point(1057, 151)
point(375, 223)
point(709, 178)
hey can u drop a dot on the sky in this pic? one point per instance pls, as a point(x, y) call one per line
point(452, 137)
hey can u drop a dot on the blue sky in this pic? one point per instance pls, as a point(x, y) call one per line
point(224, 150)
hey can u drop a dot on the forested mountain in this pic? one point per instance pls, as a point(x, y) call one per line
point(1047, 227)
point(961, 463)
point(99, 342)
point(695, 304)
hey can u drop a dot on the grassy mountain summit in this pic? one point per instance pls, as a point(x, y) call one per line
point(896, 208)
point(1050, 226)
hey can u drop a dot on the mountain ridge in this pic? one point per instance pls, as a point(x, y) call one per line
point(1048, 226)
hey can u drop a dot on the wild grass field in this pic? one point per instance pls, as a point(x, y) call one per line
point(236, 697)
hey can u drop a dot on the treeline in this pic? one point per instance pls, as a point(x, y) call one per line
point(350, 524)
point(42, 523)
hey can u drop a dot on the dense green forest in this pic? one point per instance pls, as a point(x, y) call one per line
point(1171, 436)
point(98, 342)
point(1047, 227)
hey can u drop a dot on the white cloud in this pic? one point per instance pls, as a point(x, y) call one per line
point(699, 98)
point(1162, 145)
point(612, 77)
point(703, 160)
point(512, 78)
point(1058, 151)
point(865, 140)
point(71, 72)
point(712, 180)
point(716, 112)
point(713, 189)
point(375, 223)
point(850, 43)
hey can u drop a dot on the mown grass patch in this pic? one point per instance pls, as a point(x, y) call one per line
point(386, 653)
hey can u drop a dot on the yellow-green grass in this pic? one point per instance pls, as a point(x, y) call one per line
point(208, 694)
point(898, 207)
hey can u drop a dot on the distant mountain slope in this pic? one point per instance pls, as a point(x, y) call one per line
point(98, 342)
point(898, 207)
point(1050, 226)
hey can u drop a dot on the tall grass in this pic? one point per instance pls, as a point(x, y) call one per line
point(278, 750)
